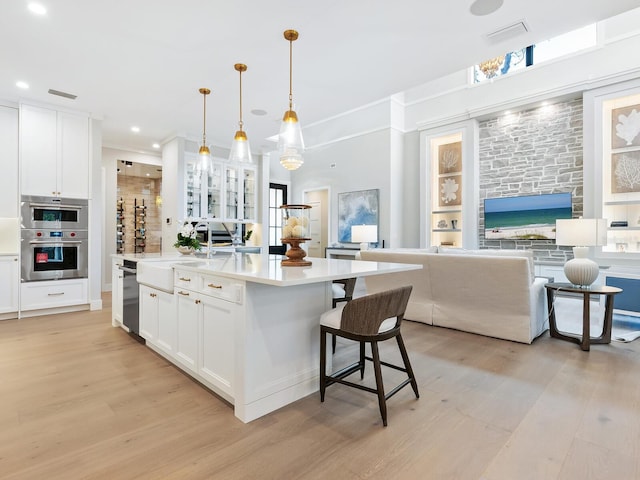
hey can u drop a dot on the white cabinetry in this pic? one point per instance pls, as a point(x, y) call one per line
point(158, 318)
point(117, 289)
point(9, 158)
point(9, 284)
point(208, 307)
point(53, 294)
point(228, 193)
point(54, 152)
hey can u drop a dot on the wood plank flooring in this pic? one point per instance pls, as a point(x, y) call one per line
point(81, 399)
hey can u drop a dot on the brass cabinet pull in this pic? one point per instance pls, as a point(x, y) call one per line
point(55, 294)
point(198, 302)
point(186, 294)
point(213, 285)
point(182, 279)
point(153, 295)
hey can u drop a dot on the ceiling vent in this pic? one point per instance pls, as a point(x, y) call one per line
point(62, 94)
point(508, 32)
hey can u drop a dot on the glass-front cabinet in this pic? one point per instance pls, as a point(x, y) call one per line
point(227, 193)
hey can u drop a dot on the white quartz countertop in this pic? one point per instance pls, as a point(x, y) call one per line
point(266, 269)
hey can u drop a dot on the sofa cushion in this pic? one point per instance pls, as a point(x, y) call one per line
point(528, 254)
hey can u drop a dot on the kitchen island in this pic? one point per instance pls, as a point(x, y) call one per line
point(243, 325)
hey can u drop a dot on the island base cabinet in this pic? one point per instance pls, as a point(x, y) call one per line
point(158, 318)
point(117, 288)
point(216, 348)
point(187, 329)
point(10, 282)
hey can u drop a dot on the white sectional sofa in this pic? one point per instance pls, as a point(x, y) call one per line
point(488, 292)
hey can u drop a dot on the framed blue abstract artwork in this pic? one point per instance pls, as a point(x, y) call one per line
point(356, 208)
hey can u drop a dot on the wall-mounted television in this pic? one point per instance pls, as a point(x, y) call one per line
point(527, 217)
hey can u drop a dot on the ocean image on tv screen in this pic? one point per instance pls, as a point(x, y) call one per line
point(531, 217)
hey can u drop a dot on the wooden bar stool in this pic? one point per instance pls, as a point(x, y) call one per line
point(370, 319)
point(342, 291)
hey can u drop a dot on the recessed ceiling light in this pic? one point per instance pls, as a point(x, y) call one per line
point(37, 8)
point(156, 145)
point(485, 7)
point(135, 129)
point(22, 85)
point(507, 112)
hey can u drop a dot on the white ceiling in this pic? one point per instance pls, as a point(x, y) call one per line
point(141, 62)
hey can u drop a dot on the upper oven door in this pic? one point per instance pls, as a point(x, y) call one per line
point(54, 212)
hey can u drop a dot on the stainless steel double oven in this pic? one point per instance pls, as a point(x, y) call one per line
point(54, 238)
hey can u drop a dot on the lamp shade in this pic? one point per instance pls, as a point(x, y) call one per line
point(364, 233)
point(581, 232)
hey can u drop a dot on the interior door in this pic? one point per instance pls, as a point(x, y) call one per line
point(314, 246)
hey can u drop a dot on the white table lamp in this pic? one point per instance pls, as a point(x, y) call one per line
point(364, 234)
point(581, 233)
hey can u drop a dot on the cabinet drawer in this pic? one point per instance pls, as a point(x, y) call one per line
point(222, 287)
point(187, 279)
point(58, 293)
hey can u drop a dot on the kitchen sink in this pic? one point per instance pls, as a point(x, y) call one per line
point(159, 273)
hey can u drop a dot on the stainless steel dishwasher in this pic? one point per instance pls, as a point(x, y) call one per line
point(130, 298)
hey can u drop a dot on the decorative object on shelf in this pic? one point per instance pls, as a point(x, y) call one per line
point(187, 237)
point(365, 235)
point(356, 208)
point(442, 224)
point(240, 149)
point(450, 158)
point(625, 172)
point(295, 230)
point(581, 233)
point(619, 223)
point(290, 142)
point(184, 250)
point(139, 216)
point(454, 223)
point(204, 152)
point(450, 191)
point(625, 126)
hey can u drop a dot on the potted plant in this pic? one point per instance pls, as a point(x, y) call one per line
point(187, 242)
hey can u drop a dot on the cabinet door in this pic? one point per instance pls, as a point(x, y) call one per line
point(117, 285)
point(38, 143)
point(249, 197)
point(167, 336)
point(73, 160)
point(217, 343)
point(9, 156)
point(231, 193)
point(148, 313)
point(9, 284)
point(187, 338)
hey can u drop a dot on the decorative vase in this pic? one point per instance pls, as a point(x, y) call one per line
point(185, 250)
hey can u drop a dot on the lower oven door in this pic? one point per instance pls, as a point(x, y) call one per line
point(51, 258)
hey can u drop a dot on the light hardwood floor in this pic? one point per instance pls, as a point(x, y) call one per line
point(80, 399)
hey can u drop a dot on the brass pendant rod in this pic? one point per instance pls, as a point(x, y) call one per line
point(290, 74)
point(240, 100)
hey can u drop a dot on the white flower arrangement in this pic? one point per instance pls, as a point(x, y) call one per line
point(187, 236)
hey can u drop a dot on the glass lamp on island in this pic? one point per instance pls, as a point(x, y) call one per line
point(295, 230)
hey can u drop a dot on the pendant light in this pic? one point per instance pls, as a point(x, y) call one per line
point(240, 149)
point(205, 154)
point(290, 142)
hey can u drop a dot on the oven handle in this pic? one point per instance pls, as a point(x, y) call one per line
point(48, 205)
point(127, 269)
point(49, 242)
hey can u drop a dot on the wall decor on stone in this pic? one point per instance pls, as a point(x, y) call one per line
point(450, 190)
point(450, 158)
point(625, 172)
point(625, 126)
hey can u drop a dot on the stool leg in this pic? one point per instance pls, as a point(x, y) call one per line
point(407, 364)
point(333, 343)
point(361, 360)
point(323, 362)
point(379, 385)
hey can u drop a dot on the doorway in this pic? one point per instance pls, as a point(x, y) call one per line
point(318, 221)
point(138, 208)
